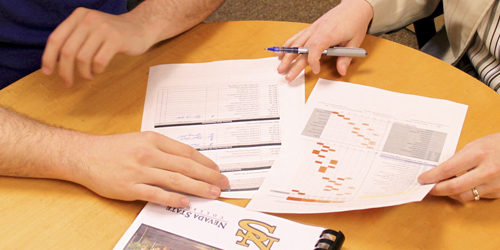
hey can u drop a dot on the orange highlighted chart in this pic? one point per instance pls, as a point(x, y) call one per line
point(360, 147)
point(350, 128)
point(333, 174)
point(348, 144)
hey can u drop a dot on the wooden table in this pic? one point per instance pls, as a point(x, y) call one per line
point(50, 214)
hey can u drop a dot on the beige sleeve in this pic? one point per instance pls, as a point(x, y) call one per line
point(391, 15)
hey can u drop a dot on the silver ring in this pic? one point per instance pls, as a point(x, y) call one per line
point(475, 193)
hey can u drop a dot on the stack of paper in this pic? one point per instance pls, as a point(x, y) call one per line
point(349, 147)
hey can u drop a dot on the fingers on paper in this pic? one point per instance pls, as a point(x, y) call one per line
point(176, 157)
point(193, 170)
point(179, 182)
point(174, 147)
point(160, 196)
point(467, 169)
point(459, 163)
point(164, 185)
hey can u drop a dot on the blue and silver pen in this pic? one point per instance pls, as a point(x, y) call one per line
point(333, 51)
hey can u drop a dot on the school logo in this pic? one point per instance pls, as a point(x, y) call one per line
point(253, 234)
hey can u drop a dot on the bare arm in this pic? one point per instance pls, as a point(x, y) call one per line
point(132, 166)
point(87, 40)
point(25, 151)
point(168, 18)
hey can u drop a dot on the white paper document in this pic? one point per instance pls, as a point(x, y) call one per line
point(210, 225)
point(235, 112)
point(360, 147)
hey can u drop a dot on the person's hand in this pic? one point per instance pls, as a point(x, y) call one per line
point(345, 25)
point(87, 41)
point(477, 165)
point(145, 166)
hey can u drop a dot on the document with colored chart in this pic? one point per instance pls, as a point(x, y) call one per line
point(212, 225)
point(235, 112)
point(360, 147)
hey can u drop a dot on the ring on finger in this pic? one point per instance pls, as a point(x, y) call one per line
point(475, 193)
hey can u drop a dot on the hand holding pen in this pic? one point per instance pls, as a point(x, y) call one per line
point(333, 51)
point(344, 26)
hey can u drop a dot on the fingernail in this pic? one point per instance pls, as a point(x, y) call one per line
point(224, 183)
point(344, 68)
point(280, 67)
point(184, 202)
point(215, 191)
point(421, 181)
point(45, 71)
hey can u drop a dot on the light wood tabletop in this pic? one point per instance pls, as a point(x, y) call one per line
point(52, 214)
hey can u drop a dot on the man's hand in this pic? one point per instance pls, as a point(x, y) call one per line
point(145, 166)
point(133, 166)
point(87, 41)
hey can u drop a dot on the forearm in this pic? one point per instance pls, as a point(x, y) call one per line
point(32, 149)
point(132, 166)
point(167, 18)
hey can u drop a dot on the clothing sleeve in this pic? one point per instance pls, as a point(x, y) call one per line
point(389, 15)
